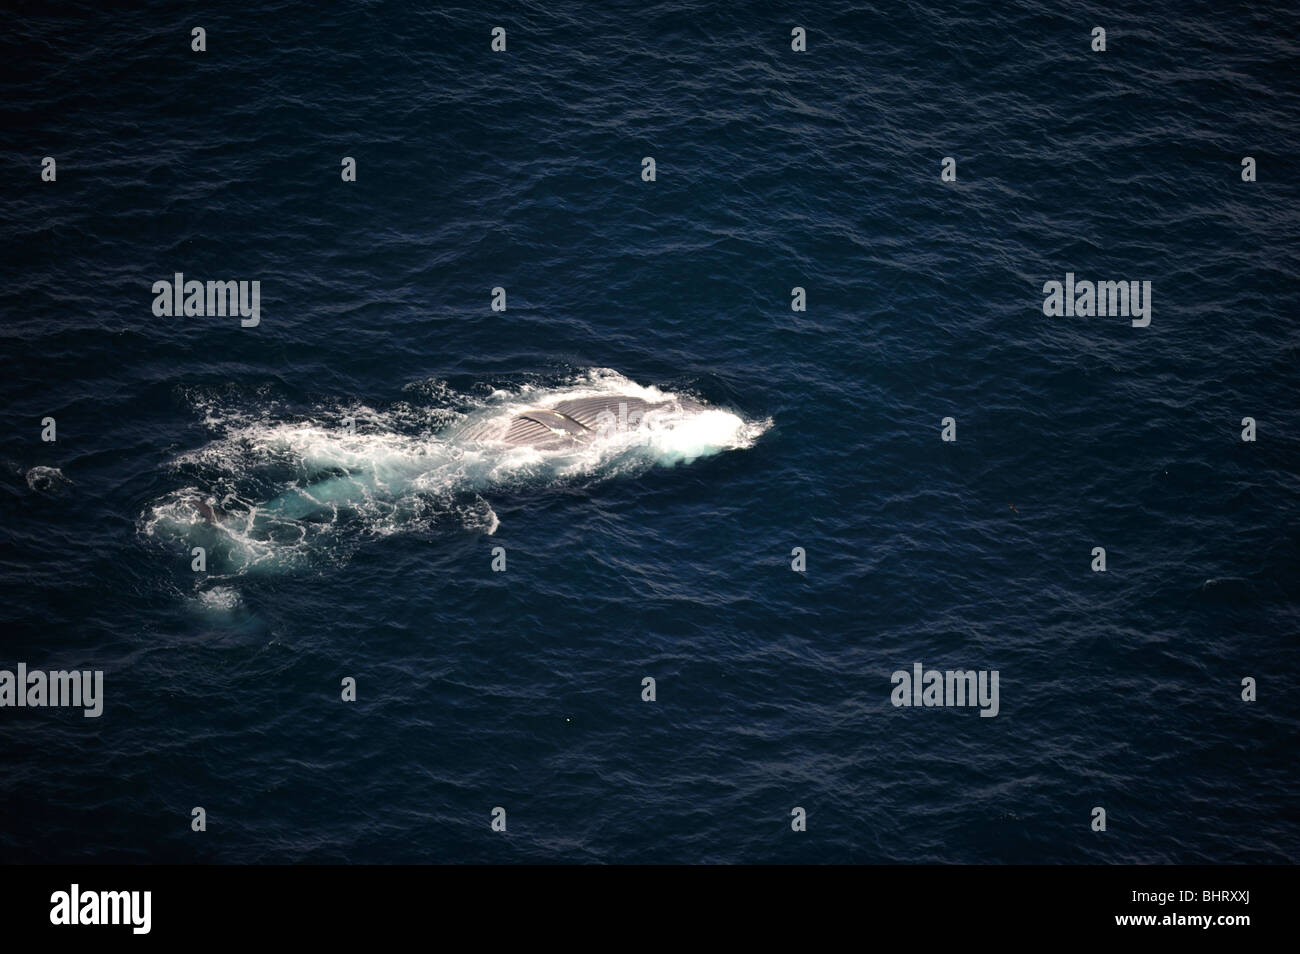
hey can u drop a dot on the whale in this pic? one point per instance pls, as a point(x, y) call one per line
point(555, 428)
point(271, 493)
point(566, 425)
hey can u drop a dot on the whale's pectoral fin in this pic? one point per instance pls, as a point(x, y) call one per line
point(206, 510)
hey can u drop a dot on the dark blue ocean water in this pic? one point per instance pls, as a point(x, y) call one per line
point(522, 689)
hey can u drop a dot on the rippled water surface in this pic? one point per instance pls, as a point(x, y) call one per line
point(366, 552)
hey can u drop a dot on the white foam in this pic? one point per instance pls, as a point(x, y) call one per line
point(46, 480)
point(220, 598)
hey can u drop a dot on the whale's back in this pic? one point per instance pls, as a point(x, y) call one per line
point(574, 421)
